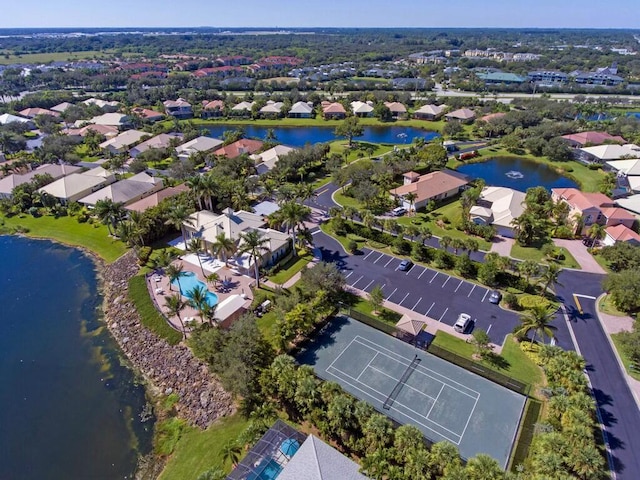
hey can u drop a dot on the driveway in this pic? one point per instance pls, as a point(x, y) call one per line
point(580, 253)
point(502, 246)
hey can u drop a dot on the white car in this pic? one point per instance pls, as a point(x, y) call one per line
point(463, 322)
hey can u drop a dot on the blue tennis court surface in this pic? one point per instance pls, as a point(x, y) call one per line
point(444, 401)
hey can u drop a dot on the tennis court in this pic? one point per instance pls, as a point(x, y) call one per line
point(411, 386)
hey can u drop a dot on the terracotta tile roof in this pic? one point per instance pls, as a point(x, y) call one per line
point(155, 199)
point(593, 137)
point(334, 108)
point(432, 185)
point(616, 213)
point(582, 200)
point(620, 233)
point(492, 116)
point(236, 149)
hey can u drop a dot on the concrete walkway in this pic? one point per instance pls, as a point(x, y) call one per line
point(581, 254)
point(317, 256)
point(502, 246)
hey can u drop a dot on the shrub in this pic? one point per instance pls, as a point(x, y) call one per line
point(402, 246)
point(527, 302)
point(352, 246)
point(143, 255)
point(510, 300)
point(421, 253)
point(443, 259)
point(564, 232)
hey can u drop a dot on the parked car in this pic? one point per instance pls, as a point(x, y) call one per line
point(495, 297)
point(398, 211)
point(463, 323)
point(405, 265)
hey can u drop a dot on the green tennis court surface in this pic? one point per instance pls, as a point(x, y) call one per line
point(411, 386)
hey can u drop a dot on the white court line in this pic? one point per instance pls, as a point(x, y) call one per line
point(354, 283)
point(365, 288)
point(365, 368)
point(410, 417)
point(435, 400)
point(448, 382)
point(469, 419)
point(404, 385)
point(485, 295)
point(390, 260)
point(376, 260)
point(368, 254)
point(405, 297)
point(474, 287)
point(445, 312)
point(445, 282)
point(345, 349)
point(394, 291)
point(429, 309)
point(414, 307)
point(419, 276)
point(461, 282)
point(434, 277)
point(350, 273)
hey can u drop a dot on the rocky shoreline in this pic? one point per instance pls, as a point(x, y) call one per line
point(167, 369)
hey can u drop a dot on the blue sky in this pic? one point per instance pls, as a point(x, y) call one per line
point(316, 13)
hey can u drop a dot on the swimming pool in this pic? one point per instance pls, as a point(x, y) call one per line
point(268, 469)
point(189, 281)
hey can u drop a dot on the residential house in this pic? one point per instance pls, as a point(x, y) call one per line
point(240, 147)
point(61, 107)
point(620, 233)
point(7, 118)
point(605, 153)
point(179, 108)
point(78, 185)
point(463, 115)
point(34, 112)
point(104, 104)
point(333, 111)
point(106, 130)
point(432, 186)
point(301, 110)
point(272, 109)
point(125, 191)
point(397, 109)
point(628, 173)
point(154, 199)
point(114, 119)
point(242, 109)
point(8, 183)
point(492, 116)
point(147, 114)
point(207, 226)
point(498, 206)
point(429, 112)
point(212, 109)
point(362, 109)
point(591, 138)
point(198, 144)
point(164, 140)
point(266, 160)
point(124, 141)
point(592, 208)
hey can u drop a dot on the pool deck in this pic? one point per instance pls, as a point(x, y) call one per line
point(159, 287)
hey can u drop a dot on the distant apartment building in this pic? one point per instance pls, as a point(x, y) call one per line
point(547, 76)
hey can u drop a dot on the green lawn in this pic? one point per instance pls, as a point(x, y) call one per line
point(49, 57)
point(625, 359)
point(344, 241)
point(520, 366)
point(199, 450)
point(607, 306)
point(363, 305)
point(535, 254)
point(83, 151)
point(346, 201)
point(293, 266)
point(318, 122)
point(67, 230)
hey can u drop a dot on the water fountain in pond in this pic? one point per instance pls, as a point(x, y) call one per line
point(514, 174)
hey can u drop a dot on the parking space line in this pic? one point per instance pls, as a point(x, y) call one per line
point(350, 273)
point(414, 307)
point(461, 282)
point(384, 285)
point(424, 270)
point(445, 282)
point(390, 260)
point(365, 288)
point(354, 283)
point(427, 313)
point(405, 297)
point(485, 295)
point(445, 312)
point(394, 291)
point(489, 329)
point(376, 260)
point(434, 277)
point(368, 254)
point(474, 287)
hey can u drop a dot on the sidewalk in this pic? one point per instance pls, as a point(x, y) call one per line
point(317, 256)
point(613, 324)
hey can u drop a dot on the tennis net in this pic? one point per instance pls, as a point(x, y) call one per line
point(403, 379)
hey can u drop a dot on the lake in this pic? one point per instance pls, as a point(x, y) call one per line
point(68, 408)
point(517, 173)
point(300, 136)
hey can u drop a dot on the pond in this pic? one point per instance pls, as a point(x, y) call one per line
point(517, 173)
point(300, 136)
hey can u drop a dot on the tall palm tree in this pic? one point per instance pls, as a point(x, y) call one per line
point(550, 277)
point(195, 188)
point(194, 245)
point(425, 233)
point(110, 213)
point(175, 305)
point(209, 187)
point(255, 244)
point(178, 217)
point(213, 279)
point(411, 198)
point(174, 272)
point(224, 247)
point(231, 451)
point(198, 300)
point(445, 242)
point(537, 319)
point(596, 232)
point(293, 214)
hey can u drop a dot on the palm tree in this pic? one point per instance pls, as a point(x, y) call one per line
point(550, 277)
point(174, 272)
point(110, 213)
point(457, 244)
point(445, 242)
point(411, 198)
point(596, 232)
point(537, 319)
point(425, 233)
point(224, 247)
point(178, 217)
point(293, 214)
point(231, 451)
point(255, 245)
point(209, 187)
point(139, 225)
point(194, 245)
point(175, 305)
point(195, 188)
point(198, 300)
point(213, 279)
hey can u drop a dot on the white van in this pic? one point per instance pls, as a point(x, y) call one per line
point(463, 322)
point(398, 211)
